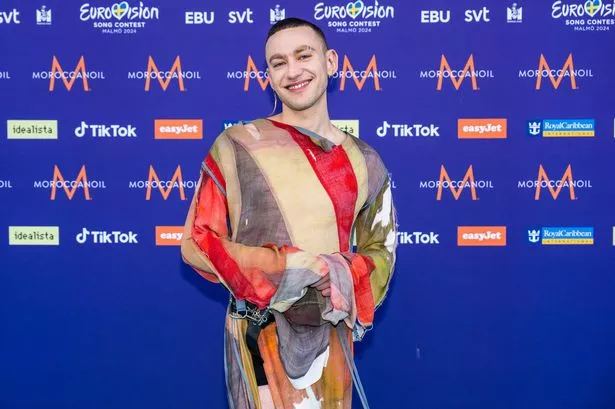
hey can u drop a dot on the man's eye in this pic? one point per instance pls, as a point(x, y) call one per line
point(277, 64)
point(304, 56)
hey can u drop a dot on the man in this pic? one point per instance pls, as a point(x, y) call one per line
point(273, 219)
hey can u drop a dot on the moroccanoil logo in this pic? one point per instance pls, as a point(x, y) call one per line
point(68, 77)
point(349, 72)
point(70, 187)
point(360, 76)
point(251, 73)
point(164, 78)
point(457, 76)
point(456, 186)
point(556, 76)
point(555, 186)
point(164, 186)
point(169, 235)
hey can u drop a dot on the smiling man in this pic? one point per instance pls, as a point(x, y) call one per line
point(295, 218)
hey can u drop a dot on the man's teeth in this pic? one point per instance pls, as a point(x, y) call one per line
point(298, 85)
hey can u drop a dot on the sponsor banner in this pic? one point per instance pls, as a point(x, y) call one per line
point(106, 237)
point(562, 235)
point(481, 236)
point(178, 129)
point(483, 128)
point(418, 237)
point(31, 129)
point(585, 16)
point(562, 128)
point(34, 236)
point(350, 126)
point(169, 235)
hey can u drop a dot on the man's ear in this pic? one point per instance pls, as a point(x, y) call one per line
point(332, 61)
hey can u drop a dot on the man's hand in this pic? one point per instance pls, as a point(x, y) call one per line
point(323, 285)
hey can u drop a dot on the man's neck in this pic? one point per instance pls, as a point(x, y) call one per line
point(315, 119)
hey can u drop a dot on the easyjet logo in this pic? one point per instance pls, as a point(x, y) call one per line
point(489, 128)
point(178, 129)
point(565, 181)
point(68, 80)
point(169, 235)
point(481, 236)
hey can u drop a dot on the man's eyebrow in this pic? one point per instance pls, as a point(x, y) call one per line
point(297, 51)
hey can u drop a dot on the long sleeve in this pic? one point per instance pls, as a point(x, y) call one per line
point(248, 272)
point(373, 261)
point(252, 273)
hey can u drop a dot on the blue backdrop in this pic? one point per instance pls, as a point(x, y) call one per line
point(502, 296)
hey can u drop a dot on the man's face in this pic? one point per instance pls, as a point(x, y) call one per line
point(298, 66)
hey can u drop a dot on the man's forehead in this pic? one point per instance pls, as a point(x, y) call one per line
point(290, 40)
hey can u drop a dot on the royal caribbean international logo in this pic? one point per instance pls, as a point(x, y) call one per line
point(119, 18)
point(561, 235)
point(353, 17)
point(591, 15)
point(561, 128)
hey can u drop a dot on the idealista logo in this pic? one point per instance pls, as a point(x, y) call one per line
point(457, 76)
point(164, 77)
point(105, 131)
point(591, 15)
point(359, 76)
point(417, 237)
point(483, 128)
point(456, 186)
point(120, 18)
point(561, 235)
point(555, 186)
point(31, 129)
point(350, 126)
point(105, 237)
point(34, 236)
point(9, 17)
point(481, 236)
point(169, 235)
point(70, 186)
point(408, 130)
point(556, 76)
point(164, 186)
point(354, 16)
point(561, 128)
point(68, 77)
point(178, 129)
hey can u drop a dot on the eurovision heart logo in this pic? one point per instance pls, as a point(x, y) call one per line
point(592, 7)
point(119, 10)
point(354, 9)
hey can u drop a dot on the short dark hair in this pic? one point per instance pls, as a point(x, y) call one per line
point(293, 22)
